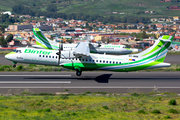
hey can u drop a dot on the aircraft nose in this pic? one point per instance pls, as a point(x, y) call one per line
point(128, 51)
point(7, 56)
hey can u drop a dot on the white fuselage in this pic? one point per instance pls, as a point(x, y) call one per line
point(69, 60)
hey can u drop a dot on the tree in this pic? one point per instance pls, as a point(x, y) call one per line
point(9, 38)
point(144, 35)
point(2, 28)
point(51, 8)
point(3, 42)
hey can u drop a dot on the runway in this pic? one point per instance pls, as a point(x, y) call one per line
point(111, 82)
point(173, 59)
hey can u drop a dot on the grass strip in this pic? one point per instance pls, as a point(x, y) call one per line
point(88, 105)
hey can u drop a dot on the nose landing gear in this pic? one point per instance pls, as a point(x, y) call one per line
point(14, 65)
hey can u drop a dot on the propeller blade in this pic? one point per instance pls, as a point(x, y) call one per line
point(61, 45)
point(59, 53)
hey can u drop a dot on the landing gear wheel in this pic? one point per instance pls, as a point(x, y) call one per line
point(14, 65)
point(78, 73)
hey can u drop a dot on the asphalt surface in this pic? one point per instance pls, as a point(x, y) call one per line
point(173, 59)
point(68, 82)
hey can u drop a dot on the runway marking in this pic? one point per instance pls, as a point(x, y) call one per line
point(89, 87)
point(35, 75)
point(42, 82)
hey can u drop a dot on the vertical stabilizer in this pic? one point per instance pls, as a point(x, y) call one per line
point(159, 50)
point(43, 41)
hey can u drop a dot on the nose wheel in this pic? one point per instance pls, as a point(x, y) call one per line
point(78, 72)
point(14, 65)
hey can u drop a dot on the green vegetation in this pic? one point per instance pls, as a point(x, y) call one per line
point(173, 53)
point(91, 106)
point(174, 111)
point(156, 112)
point(102, 7)
point(4, 42)
point(141, 112)
point(31, 68)
point(172, 102)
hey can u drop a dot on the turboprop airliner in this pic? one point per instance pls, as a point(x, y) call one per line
point(44, 43)
point(81, 59)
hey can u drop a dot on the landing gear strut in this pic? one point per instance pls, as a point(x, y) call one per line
point(78, 72)
point(14, 65)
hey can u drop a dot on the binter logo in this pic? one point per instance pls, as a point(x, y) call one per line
point(37, 51)
point(112, 46)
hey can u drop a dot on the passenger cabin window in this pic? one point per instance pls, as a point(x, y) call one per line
point(103, 61)
point(116, 62)
point(106, 61)
point(96, 60)
point(49, 56)
point(39, 55)
point(100, 61)
point(43, 55)
point(109, 61)
point(56, 57)
point(46, 56)
point(52, 56)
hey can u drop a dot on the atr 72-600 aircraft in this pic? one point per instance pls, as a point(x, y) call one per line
point(44, 43)
point(81, 59)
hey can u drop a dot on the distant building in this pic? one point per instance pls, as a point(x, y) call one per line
point(19, 27)
point(167, 0)
point(154, 19)
point(130, 31)
point(7, 12)
point(45, 27)
point(176, 18)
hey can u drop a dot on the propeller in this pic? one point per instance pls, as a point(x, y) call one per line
point(59, 52)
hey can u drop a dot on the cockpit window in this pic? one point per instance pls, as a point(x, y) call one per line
point(18, 51)
point(14, 50)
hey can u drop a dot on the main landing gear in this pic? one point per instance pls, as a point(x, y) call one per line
point(78, 72)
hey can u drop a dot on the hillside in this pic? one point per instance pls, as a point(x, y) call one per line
point(102, 7)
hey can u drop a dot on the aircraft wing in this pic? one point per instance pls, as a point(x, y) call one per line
point(82, 49)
